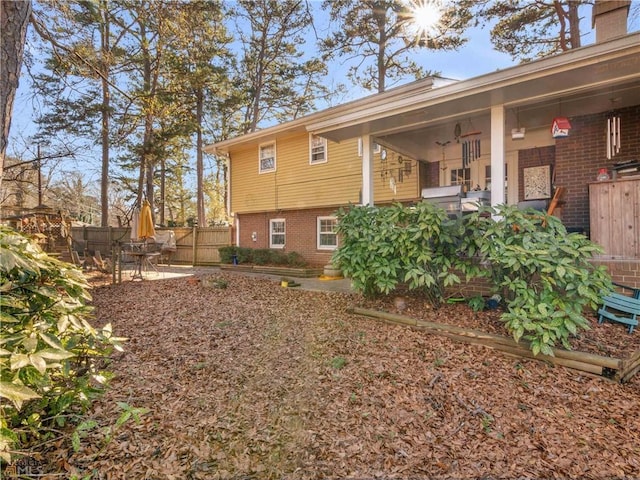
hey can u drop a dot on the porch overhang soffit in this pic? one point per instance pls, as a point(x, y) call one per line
point(584, 72)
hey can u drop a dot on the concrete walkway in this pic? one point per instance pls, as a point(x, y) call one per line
point(176, 271)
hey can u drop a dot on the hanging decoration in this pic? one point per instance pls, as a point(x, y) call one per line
point(613, 136)
point(457, 132)
point(471, 148)
point(560, 127)
point(389, 170)
point(443, 145)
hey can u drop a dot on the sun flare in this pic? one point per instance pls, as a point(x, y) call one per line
point(424, 16)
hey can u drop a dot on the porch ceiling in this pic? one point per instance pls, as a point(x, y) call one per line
point(588, 80)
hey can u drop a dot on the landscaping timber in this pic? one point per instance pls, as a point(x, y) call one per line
point(274, 270)
point(621, 370)
point(630, 367)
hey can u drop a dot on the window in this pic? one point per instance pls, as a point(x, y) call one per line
point(267, 153)
point(327, 236)
point(317, 149)
point(487, 180)
point(376, 147)
point(277, 233)
point(461, 176)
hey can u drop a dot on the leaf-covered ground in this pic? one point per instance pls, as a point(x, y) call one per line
point(261, 382)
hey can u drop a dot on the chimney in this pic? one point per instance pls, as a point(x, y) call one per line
point(610, 19)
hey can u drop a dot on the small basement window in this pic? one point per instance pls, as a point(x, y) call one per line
point(277, 232)
point(327, 233)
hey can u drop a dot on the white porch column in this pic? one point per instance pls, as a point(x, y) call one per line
point(497, 155)
point(367, 170)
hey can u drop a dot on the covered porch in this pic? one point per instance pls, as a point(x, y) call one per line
point(518, 134)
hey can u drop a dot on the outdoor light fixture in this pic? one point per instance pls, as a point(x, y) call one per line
point(517, 133)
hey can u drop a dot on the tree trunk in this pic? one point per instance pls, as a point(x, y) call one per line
point(14, 19)
point(163, 191)
point(574, 23)
point(199, 161)
point(106, 113)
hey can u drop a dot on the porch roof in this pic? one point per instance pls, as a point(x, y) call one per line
point(606, 73)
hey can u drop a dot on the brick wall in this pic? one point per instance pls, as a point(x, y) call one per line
point(626, 272)
point(533, 157)
point(580, 155)
point(429, 174)
point(577, 159)
point(301, 232)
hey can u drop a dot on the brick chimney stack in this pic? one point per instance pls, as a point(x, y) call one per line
point(610, 19)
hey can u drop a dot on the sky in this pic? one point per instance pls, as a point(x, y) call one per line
point(476, 57)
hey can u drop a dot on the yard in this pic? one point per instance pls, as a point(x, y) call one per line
point(257, 381)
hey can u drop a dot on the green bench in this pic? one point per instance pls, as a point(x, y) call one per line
point(620, 308)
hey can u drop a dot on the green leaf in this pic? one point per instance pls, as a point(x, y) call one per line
point(55, 354)
point(38, 362)
point(19, 360)
point(75, 441)
point(16, 393)
point(51, 340)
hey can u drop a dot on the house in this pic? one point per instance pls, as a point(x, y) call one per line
point(512, 136)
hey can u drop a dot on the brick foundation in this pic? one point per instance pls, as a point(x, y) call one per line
point(301, 232)
point(626, 272)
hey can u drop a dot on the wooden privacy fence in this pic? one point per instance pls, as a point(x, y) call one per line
point(194, 246)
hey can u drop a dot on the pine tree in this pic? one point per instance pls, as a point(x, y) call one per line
point(275, 81)
point(378, 37)
point(529, 29)
point(14, 19)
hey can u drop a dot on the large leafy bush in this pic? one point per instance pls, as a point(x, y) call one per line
point(382, 247)
point(543, 272)
point(51, 358)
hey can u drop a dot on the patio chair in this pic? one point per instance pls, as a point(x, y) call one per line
point(103, 264)
point(620, 308)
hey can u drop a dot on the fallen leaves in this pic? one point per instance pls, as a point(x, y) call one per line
point(257, 381)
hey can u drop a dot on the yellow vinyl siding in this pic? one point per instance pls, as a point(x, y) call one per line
point(296, 184)
point(405, 189)
point(251, 191)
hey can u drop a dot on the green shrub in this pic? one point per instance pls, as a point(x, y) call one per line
point(261, 256)
point(51, 358)
point(543, 272)
point(294, 259)
point(227, 253)
point(382, 247)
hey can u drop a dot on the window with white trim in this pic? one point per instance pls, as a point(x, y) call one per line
point(277, 232)
point(327, 233)
point(317, 149)
point(461, 176)
point(267, 157)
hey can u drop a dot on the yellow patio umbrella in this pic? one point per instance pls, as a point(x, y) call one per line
point(146, 229)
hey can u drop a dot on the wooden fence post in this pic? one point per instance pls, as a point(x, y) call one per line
point(194, 246)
